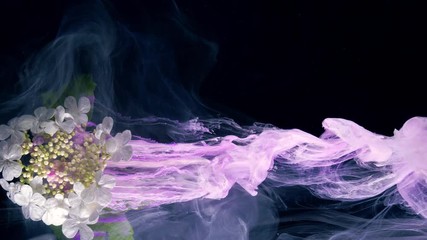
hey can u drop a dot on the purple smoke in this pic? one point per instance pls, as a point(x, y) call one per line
point(167, 173)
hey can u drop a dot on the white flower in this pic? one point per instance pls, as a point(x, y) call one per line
point(117, 147)
point(42, 120)
point(57, 209)
point(16, 128)
point(104, 129)
point(82, 209)
point(63, 121)
point(11, 188)
point(78, 111)
point(81, 214)
point(100, 190)
point(32, 203)
point(76, 224)
point(37, 185)
point(8, 164)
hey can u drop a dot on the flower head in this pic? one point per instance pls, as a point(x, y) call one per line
point(62, 181)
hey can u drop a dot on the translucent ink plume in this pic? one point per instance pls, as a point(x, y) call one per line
point(346, 163)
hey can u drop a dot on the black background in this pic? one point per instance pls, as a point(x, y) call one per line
point(288, 63)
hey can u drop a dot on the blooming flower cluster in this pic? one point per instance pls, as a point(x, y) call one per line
point(52, 165)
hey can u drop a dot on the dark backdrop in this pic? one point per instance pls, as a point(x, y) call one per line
point(289, 63)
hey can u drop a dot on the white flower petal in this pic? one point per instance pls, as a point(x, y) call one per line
point(70, 103)
point(4, 184)
point(43, 113)
point(126, 153)
point(88, 210)
point(14, 188)
point(2, 164)
point(25, 122)
point(36, 212)
point(70, 228)
point(67, 125)
point(116, 156)
point(84, 105)
point(24, 196)
point(15, 152)
point(124, 137)
point(51, 203)
point(103, 196)
point(78, 187)
point(74, 200)
point(48, 114)
point(59, 197)
point(49, 127)
point(82, 118)
point(37, 180)
point(26, 211)
point(111, 145)
point(37, 184)
point(55, 216)
point(60, 114)
point(107, 181)
point(94, 215)
point(38, 199)
point(21, 200)
point(89, 194)
point(13, 122)
point(86, 233)
point(11, 170)
point(17, 137)
point(93, 218)
point(4, 146)
point(107, 124)
point(39, 112)
point(5, 132)
point(26, 191)
point(98, 131)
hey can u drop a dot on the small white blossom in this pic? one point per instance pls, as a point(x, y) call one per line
point(16, 128)
point(11, 188)
point(116, 146)
point(82, 209)
point(78, 111)
point(76, 224)
point(100, 190)
point(57, 209)
point(32, 203)
point(42, 120)
point(63, 121)
point(37, 185)
point(8, 164)
point(104, 129)
point(81, 214)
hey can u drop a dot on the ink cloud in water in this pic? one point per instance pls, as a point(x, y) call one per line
point(192, 176)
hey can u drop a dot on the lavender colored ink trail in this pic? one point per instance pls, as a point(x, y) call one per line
point(167, 173)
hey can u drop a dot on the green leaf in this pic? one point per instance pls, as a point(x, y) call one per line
point(83, 85)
